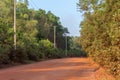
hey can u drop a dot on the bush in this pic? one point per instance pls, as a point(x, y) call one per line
point(18, 55)
point(76, 53)
point(46, 48)
point(31, 49)
point(4, 58)
point(109, 58)
point(58, 53)
point(32, 55)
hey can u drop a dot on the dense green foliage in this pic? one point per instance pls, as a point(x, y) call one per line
point(75, 48)
point(100, 32)
point(35, 33)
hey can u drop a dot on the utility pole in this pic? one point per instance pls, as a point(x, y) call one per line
point(54, 36)
point(66, 44)
point(15, 24)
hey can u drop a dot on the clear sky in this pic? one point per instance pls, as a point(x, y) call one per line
point(65, 9)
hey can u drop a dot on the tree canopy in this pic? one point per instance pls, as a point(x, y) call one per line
point(34, 29)
point(100, 32)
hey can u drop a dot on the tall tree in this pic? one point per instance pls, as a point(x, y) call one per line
point(100, 31)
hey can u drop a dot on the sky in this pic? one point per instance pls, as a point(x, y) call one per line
point(70, 17)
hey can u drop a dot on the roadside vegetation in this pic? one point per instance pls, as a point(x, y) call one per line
point(35, 34)
point(100, 32)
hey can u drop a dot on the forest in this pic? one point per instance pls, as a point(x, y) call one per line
point(35, 35)
point(100, 32)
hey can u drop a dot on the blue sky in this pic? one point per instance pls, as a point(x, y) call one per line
point(65, 9)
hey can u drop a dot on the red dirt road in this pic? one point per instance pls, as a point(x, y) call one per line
point(57, 69)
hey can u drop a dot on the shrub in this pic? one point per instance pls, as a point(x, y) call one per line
point(58, 53)
point(18, 55)
point(4, 58)
point(76, 53)
point(31, 48)
point(46, 48)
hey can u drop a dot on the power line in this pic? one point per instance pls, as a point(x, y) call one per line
point(37, 1)
point(33, 3)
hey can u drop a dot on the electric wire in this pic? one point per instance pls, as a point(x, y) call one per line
point(33, 3)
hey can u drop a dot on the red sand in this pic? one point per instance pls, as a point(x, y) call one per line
point(57, 69)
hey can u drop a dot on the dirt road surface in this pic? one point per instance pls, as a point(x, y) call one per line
point(57, 69)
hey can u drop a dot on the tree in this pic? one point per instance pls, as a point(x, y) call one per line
point(34, 30)
point(99, 31)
